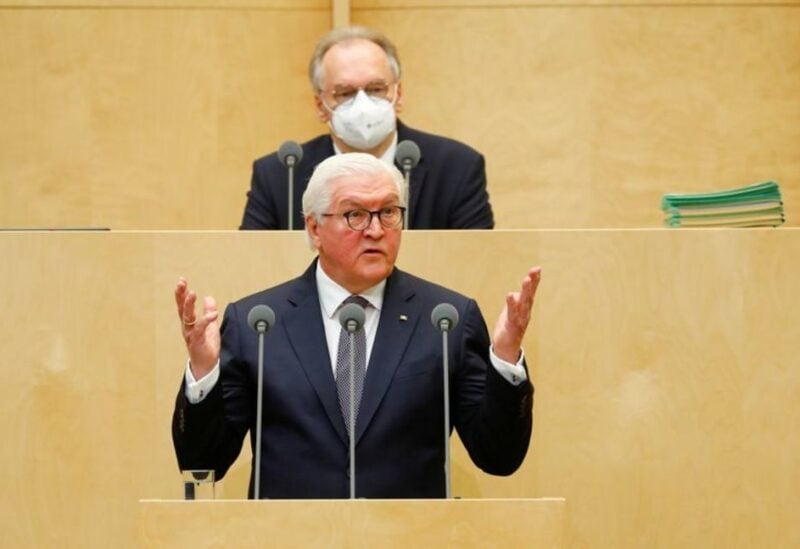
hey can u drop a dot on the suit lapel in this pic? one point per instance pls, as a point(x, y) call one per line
point(306, 335)
point(399, 318)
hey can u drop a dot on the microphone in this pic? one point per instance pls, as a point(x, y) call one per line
point(407, 157)
point(260, 318)
point(444, 317)
point(290, 154)
point(352, 317)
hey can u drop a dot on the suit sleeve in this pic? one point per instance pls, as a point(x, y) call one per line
point(259, 211)
point(471, 207)
point(493, 417)
point(209, 434)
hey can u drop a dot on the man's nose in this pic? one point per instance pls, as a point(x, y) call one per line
point(375, 227)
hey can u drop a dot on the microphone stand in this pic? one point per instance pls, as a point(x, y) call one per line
point(407, 165)
point(352, 334)
point(290, 162)
point(259, 406)
point(445, 317)
point(352, 319)
point(407, 157)
point(290, 154)
point(448, 489)
point(261, 318)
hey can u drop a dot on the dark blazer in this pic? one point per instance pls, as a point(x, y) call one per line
point(399, 429)
point(448, 186)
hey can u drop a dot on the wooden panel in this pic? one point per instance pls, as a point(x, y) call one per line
point(665, 362)
point(340, 12)
point(78, 388)
point(147, 115)
point(359, 523)
point(147, 118)
point(502, 4)
point(170, 4)
point(587, 114)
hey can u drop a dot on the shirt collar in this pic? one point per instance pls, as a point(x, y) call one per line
point(331, 294)
point(387, 157)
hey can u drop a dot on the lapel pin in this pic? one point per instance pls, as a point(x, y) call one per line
point(403, 318)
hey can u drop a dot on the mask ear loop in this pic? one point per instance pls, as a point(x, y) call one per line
point(324, 104)
point(394, 95)
point(330, 112)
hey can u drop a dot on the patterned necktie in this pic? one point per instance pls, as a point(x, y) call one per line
point(343, 365)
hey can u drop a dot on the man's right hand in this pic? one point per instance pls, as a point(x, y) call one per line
point(201, 334)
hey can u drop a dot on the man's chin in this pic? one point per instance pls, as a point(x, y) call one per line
point(377, 270)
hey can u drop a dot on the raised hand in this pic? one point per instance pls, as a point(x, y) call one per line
point(514, 318)
point(200, 333)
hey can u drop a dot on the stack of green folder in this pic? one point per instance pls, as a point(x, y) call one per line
point(757, 205)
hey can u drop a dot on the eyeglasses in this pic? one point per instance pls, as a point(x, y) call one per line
point(343, 95)
point(390, 217)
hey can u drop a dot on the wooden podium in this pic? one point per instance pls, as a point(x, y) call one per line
point(353, 523)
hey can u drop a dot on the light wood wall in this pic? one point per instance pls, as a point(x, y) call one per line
point(147, 115)
point(139, 114)
point(665, 362)
point(589, 111)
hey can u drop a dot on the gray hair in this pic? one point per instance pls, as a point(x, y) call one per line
point(317, 196)
point(346, 34)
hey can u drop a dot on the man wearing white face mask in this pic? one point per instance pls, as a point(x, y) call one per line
point(364, 121)
point(355, 75)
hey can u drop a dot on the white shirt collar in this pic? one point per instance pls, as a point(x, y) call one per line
point(387, 157)
point(331, 294)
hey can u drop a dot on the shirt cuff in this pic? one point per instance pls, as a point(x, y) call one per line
point(196, 390)
point(515, 374)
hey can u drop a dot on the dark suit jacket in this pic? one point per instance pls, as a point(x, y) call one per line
point(448, 186)
point(399, 429)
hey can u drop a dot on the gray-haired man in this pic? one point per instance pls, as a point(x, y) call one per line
point(355, 76)
point(353, 211)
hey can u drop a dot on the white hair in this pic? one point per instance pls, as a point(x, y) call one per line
point(317, 196)
point(348, 34)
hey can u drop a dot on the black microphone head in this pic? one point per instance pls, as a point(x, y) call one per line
point(407, 154)
point(352, 317)
point(261, 318)
point(290, 153)
point(444, 317)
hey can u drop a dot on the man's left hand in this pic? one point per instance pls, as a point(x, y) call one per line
point(514, 318)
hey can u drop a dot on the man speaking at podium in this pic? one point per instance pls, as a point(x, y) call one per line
point(355, 76)
point(353, 210)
